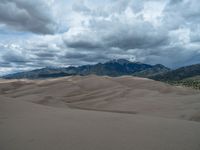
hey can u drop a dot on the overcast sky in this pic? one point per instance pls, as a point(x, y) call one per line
point(39, 33)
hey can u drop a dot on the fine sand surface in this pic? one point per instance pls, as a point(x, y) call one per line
point(98, 113)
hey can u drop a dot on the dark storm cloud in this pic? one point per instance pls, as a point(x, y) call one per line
point(14, 58)
point(25, 15)
point(45, 55)
point(5, 64)
point(74, 55)
point(116, 34)
point(83, 44)
point(119, 30)
point(86, 57)
point(137, 36)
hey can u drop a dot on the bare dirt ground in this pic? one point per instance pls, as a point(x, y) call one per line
point(98, 113)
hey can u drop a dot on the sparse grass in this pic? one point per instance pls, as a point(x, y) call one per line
point(193, 82)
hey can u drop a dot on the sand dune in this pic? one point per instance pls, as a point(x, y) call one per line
point(123, 94)
point(98, 113)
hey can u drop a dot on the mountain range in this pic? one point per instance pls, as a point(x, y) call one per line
point(117, 67)
point(187, 76)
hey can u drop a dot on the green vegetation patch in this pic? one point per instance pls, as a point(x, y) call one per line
point(193, 82)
